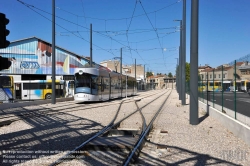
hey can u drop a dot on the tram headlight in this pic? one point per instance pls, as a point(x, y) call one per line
point(80, 72)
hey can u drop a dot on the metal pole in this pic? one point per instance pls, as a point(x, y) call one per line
point(144, 78)
point(213, 87)
point(222, 104)
point(121, 70)
point(207, 87)
point(90, 55)
point(53, 101)
point(176, 76)
point(91, 45)
point(235, 89)
point(172, 83)
point(183, 54)
point(194, 114)
point(135, 75)
point(202, 94)
point(126, 84)
point(180, 62)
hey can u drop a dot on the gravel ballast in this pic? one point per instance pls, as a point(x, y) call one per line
point(173, 141)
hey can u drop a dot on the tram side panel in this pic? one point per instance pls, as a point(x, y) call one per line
point(104, 82)
point(103, 89)
point(115, 87)
point(130, 86)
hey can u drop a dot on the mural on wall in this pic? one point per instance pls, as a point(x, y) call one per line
point(34, 56)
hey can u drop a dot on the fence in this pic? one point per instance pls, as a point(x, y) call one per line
point(145, 86)
point(227, 88)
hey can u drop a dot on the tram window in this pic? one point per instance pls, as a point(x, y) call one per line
point(94, 82)
point(82, 81)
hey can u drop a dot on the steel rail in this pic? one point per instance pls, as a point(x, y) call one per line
point(101, 132)
point(117, 123)
point(38, 113)
point(73, 152)
point(143, 135)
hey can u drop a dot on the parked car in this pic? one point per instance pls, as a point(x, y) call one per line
point(248, 92)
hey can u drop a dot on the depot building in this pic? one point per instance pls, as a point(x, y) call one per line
point(31, 59)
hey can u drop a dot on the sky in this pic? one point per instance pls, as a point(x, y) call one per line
point(141, 29)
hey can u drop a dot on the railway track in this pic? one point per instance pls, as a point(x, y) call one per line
point(114, 139)
point(18, 114)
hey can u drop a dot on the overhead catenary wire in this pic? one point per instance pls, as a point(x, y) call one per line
point(27, 5)
point(125, 18)
point(128, 31)
point(153, 28)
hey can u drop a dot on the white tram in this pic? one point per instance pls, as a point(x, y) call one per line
point(92, 84)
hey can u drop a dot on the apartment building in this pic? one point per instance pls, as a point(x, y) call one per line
point(126, 69)
point(161, 82)
point(227, 72)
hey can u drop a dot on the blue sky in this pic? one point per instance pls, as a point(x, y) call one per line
point(224, 29)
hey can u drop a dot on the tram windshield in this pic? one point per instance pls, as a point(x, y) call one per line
point(85, 83)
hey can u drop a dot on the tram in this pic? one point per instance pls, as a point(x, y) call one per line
point(93, 84)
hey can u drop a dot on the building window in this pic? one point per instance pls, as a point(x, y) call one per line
point(210, 75)
point(219, 75)
point(214, 75)
point(224, 75)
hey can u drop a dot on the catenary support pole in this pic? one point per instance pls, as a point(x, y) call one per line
point(183, 54)
point(135, 75)
point(222, 89)
point(53, 101)
point(194, 114)
point(144, 78)
point(179, 74)
point(235, 107)
point(121, 70)
point(91, 60)
point(91, 45)
point(176, 76)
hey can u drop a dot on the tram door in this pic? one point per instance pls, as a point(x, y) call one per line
point(18, 90)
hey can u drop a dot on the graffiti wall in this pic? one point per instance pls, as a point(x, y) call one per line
point(34, 56)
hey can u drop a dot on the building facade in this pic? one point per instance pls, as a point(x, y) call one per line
point(161, 82)
point(33, 56)
point(126, 69)
point(31, 60)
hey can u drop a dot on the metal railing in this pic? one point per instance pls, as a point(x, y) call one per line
point(227, 89)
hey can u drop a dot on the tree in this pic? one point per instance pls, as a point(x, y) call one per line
point(187, 71)
point(170, 75)
point(148, 74)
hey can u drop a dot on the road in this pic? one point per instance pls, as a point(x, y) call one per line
point(242, 100)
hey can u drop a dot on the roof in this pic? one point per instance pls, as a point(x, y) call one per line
point(34, 37)
point(204, 67)
point(217, 69)
point(244, 67)
point(157, 76)
point(78, 56)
